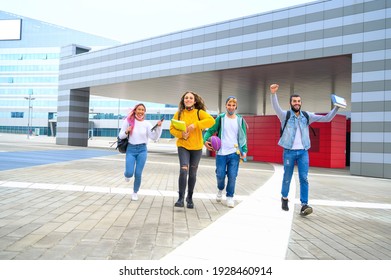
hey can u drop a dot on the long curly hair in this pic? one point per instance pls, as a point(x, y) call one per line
point(199, 102)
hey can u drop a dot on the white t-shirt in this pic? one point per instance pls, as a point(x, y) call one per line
point(229, 136)
point(297, 143)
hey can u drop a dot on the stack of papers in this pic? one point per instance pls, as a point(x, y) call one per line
point(338, 101)
point(180, 125)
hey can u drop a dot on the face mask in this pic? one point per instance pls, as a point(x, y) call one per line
point(231, 113)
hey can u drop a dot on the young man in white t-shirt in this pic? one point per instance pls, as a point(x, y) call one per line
point(231, 128)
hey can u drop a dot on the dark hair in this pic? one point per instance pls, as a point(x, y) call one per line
point(293, 95)
point(199, 102)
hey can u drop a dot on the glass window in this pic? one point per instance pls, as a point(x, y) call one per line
point(17, 115)
point(30, 56)
point(250, 21)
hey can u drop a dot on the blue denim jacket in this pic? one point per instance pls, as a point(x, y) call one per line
point(294, 122)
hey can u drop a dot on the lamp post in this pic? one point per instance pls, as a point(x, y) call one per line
point(30, 98)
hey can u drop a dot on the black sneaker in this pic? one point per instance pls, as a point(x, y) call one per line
point(180, 202)
point(305, 210)
point(284, 204)
point(190, 203)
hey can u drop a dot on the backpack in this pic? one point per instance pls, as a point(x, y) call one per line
point(122, 144)
point(288, 115)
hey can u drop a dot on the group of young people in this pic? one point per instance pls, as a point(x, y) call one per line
point(231, 128)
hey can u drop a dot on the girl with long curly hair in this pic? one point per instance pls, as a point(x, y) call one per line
point(192, 111)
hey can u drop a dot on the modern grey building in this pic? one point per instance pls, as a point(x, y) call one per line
point(315, 49)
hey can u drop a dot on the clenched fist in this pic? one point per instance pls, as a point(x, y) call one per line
point(274, 88)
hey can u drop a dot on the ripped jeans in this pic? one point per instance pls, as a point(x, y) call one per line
point(301, 158)
point(189, 159)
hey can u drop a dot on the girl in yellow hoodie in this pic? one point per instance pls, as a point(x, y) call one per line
point(191, 110)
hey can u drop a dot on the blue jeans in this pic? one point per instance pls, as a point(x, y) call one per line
point(227, 165)
point(301, 158)
point(136, 156)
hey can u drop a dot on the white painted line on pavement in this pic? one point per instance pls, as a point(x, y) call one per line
point(353, 204)
point(80, 188)
point(255, 229)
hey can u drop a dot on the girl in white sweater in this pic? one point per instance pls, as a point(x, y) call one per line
point(138, 131)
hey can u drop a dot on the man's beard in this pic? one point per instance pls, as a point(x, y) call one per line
point(295, 110)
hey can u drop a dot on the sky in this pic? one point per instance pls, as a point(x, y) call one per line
point(130, 20)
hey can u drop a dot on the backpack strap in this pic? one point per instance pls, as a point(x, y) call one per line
point(307, 117)
point(288, 115)
point(308, 122)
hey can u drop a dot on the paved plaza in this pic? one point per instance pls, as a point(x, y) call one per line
point(72, 203)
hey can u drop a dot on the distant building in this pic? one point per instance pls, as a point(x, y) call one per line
point(29, 69)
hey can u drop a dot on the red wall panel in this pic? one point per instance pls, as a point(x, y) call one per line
point(328, 146)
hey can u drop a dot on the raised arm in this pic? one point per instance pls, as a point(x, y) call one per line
point(323, 118)
point(276, 106)
point(155, 133)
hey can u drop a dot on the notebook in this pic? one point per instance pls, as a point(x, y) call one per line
point(180, 125)
point(338, 101)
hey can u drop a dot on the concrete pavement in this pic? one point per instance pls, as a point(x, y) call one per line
point(61, 202)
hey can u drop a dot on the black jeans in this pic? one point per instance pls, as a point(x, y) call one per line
point(188, 161)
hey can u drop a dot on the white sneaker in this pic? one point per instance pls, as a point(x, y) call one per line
point(134, 196)
point(230, 202)
point(219, 196)
point(127, 179)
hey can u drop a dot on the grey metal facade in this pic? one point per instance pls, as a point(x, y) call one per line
point(357, 31)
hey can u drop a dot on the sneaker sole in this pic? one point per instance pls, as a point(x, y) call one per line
point(306, 212)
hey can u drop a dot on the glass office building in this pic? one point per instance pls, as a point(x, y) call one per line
point(29, 69)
